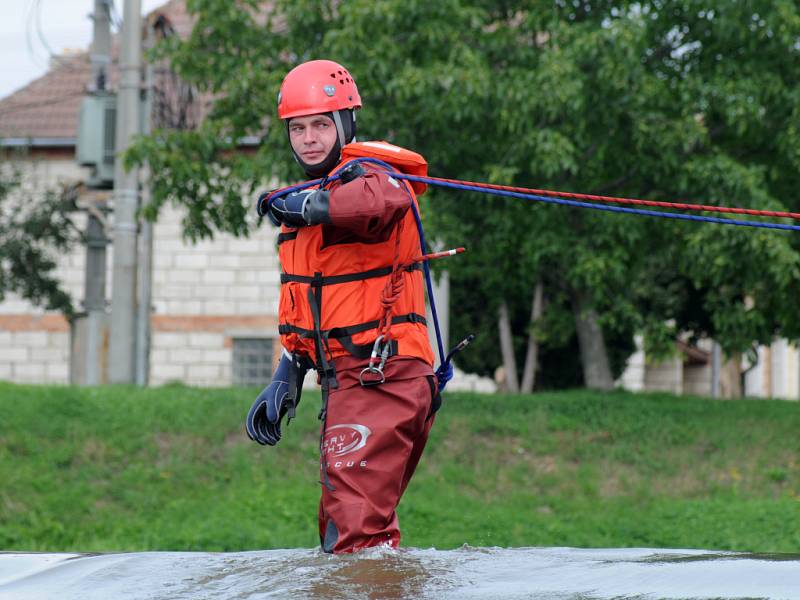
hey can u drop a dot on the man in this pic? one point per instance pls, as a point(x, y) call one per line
point(352, 307)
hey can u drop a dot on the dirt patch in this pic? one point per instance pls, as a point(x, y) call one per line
point(235, 438)
point(93, 451)
point(11, 506)
point(170, 445)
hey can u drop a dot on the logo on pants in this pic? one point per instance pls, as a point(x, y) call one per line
point(345, 439)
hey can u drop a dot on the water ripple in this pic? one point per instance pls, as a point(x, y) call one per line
point(382, 573)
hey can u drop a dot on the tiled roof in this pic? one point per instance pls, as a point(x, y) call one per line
point(46, 110)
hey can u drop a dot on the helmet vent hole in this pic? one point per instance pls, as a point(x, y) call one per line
point(333, 75)
point(341, 81)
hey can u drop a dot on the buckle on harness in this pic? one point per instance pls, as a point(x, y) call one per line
point(373, 368)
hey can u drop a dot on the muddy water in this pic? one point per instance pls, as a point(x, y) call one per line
point(485, 573)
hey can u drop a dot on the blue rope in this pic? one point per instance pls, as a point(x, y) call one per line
point(445, 371)
point(619, 209)
point(562, 201)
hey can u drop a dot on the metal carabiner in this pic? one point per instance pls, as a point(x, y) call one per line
point(376, 369)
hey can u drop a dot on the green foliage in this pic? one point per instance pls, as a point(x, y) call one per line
point(124, 469)
point(668, 101)
point(35, 227)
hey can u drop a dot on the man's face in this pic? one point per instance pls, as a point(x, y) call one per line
point(312, 137)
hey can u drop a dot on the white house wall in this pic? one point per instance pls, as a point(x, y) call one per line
point(776, 374)
point(204, 295)
point(784, 370)
point(34, 352)
point(632, 378)
point(34, 344)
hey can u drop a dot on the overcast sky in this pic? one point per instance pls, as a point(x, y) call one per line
point(30, 29)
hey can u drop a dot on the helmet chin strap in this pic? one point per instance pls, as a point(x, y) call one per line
point(339, 127)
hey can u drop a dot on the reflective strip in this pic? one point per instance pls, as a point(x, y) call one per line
point(383, 146)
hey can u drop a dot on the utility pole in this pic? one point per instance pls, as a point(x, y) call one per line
point(123, 296)
point(101, 45)
point(145, 282)
point(95, 278)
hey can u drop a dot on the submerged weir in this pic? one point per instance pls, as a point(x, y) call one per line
point(381, 573)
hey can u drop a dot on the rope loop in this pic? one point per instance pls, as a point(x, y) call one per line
point(393, 288)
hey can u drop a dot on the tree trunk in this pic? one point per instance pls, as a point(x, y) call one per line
point(594, 358)
point(507, 349)
point(532, 355)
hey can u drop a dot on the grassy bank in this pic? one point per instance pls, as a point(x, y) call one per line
point(105, 469)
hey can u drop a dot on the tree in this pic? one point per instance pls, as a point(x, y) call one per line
point(35, 228)
point(649, 99)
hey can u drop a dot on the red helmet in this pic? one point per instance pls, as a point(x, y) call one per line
point(317, 86)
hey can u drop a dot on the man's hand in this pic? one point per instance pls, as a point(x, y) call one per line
point(303, 207)
point(264, 419)
point(290, 209)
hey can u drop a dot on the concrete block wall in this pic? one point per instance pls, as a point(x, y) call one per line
point(776, 374)
point(666, 376)
point(224, 276)
point(39, 176)
point(784, 370)
point(204, 295)
point(640, 375)
point(697, 380)
point(34, 350)
point(34, 343)
point(199, 350)
point(793, 373)
point(200, 358)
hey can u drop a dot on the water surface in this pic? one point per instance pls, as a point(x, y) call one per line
point(380, 573)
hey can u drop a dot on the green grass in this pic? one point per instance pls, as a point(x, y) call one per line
point(116, 468)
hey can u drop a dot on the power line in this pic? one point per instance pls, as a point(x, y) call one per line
point(35, 23)
point(40, 33)
point(24, 105)
point(28, 38)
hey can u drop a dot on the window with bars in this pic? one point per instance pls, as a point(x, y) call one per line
point(252, 361)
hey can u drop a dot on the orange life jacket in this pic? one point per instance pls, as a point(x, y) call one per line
point(332, 294)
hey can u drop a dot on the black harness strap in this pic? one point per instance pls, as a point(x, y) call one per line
point(344, 335)
point(297, 373)
point(327, 373)
point(365, 350)
point(337, 333)
point(347, 277)
point(326, 369)
point(285, 237)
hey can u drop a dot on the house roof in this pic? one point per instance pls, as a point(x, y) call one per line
point(692, 354)
point(44, 113)
point(47, 108)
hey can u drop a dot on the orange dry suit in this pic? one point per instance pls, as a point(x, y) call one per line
point(333, 296)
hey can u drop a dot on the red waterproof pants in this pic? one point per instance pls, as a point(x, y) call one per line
point(373, 439)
